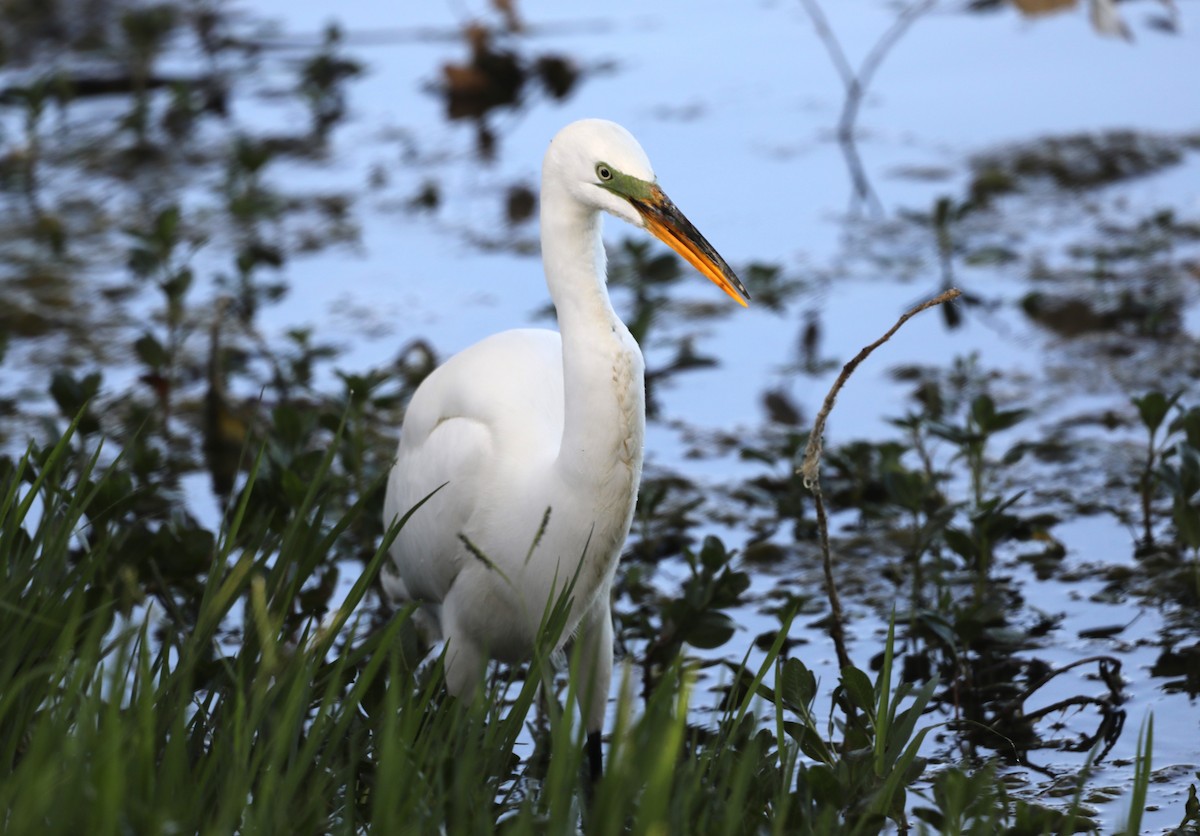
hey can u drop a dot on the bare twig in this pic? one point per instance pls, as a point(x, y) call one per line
point(837, 621)
point(810, 469)
point(812, 453)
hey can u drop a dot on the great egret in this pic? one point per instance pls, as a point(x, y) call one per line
point(529, 420)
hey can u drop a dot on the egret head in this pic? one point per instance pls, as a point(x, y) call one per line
point(604, 167)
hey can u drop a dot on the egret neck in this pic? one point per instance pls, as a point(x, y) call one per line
point(603, 370)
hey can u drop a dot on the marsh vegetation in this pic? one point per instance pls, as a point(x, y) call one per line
point(224, 268)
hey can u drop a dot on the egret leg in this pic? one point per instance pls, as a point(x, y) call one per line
point(596, 652)
point(427, 618)
point(465, 660)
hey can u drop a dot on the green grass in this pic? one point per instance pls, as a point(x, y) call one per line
point(229, 707)
point(1141, 779)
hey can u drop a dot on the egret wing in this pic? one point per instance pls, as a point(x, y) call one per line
point(496, 406)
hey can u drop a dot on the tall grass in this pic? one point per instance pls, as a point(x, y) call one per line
point(109, 724)
point(252, 720)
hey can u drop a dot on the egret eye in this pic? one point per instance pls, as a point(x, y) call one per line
point(604, 172)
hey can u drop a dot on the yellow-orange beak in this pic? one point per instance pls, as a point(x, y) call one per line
point(670, 226)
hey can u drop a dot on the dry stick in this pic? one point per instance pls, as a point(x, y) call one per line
point(810, 469)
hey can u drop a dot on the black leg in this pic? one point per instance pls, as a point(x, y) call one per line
point(595, 756)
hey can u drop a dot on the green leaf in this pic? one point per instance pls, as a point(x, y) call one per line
point(729, 588)
point(1006, 418)
point(937, 624)
point(983, 410)
point(1187, 523)
point(955, 435)
point(858, 688)
point(177, 286)
point(150, 351)
point(292, 427)
point(72, 396)
point(930, 816)
point(1189, 423)
point(823, 783)
point(710, 630)
point(902, 726)
point(797, 684)
point(1189, 471)
point(166, 227)
point(712, 554)
point(907, 488)
point(294, 488)
point(808, 740)
point(143, 261)
point(1153, 408)
point(988, 420)
point(961, 544)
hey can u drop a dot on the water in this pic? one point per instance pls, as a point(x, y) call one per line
point(736, 106)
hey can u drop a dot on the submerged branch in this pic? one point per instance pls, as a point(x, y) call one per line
point(856, 83)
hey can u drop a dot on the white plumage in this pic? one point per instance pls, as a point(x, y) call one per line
point(527, 420)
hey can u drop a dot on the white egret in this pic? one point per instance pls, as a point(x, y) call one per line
point(533, 419)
